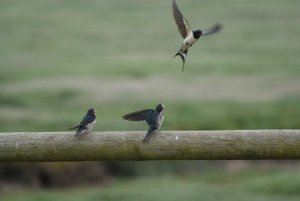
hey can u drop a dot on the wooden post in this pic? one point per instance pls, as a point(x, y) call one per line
point(165, 145)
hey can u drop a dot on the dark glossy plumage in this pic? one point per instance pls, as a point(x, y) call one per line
point(139, 115)
point(190, 36)
point(87, 123)
point(154, 119)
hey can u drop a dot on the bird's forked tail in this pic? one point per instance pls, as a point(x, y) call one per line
point(182, 56)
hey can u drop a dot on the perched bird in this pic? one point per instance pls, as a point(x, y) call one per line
point(190, 36)
point(154, 118)
point(87, 123)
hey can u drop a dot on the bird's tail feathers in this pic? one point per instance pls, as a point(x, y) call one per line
point(147, 138)
point(75, 127)
point(183, 65)
point(182, 55)
point(77, 134)
point(151, 131)
point(81, 130)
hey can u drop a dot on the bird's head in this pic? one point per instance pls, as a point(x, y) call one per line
point(159, 107)
point(91, 111)
point(197, 34)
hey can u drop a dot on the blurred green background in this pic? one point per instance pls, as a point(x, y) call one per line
point(58, 58)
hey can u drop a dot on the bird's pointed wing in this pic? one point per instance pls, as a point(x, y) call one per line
point(77, 126)
point(182, 24)
point(87, 119)
point(212, 30)
point(80, 130)
point(152, 129)
point(138, 115)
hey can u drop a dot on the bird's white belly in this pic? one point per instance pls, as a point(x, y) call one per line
point(91, 126)
point(189, 41)
point(159, 121)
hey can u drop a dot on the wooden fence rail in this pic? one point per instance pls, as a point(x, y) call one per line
point(165, 145)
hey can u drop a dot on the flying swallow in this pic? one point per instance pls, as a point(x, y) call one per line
point(190, 36)
point(154, 119)
point(87, 123)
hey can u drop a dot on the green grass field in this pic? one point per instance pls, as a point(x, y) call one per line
point(244, 186)
point(59, 58)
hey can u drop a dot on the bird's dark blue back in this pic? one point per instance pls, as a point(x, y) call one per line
point(152, 117)
point(87, 119)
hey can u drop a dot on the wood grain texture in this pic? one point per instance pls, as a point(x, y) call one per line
point(165, 145)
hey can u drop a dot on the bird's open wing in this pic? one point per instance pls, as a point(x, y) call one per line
point(138, 115)
point(214, 29)
point(182, 24)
